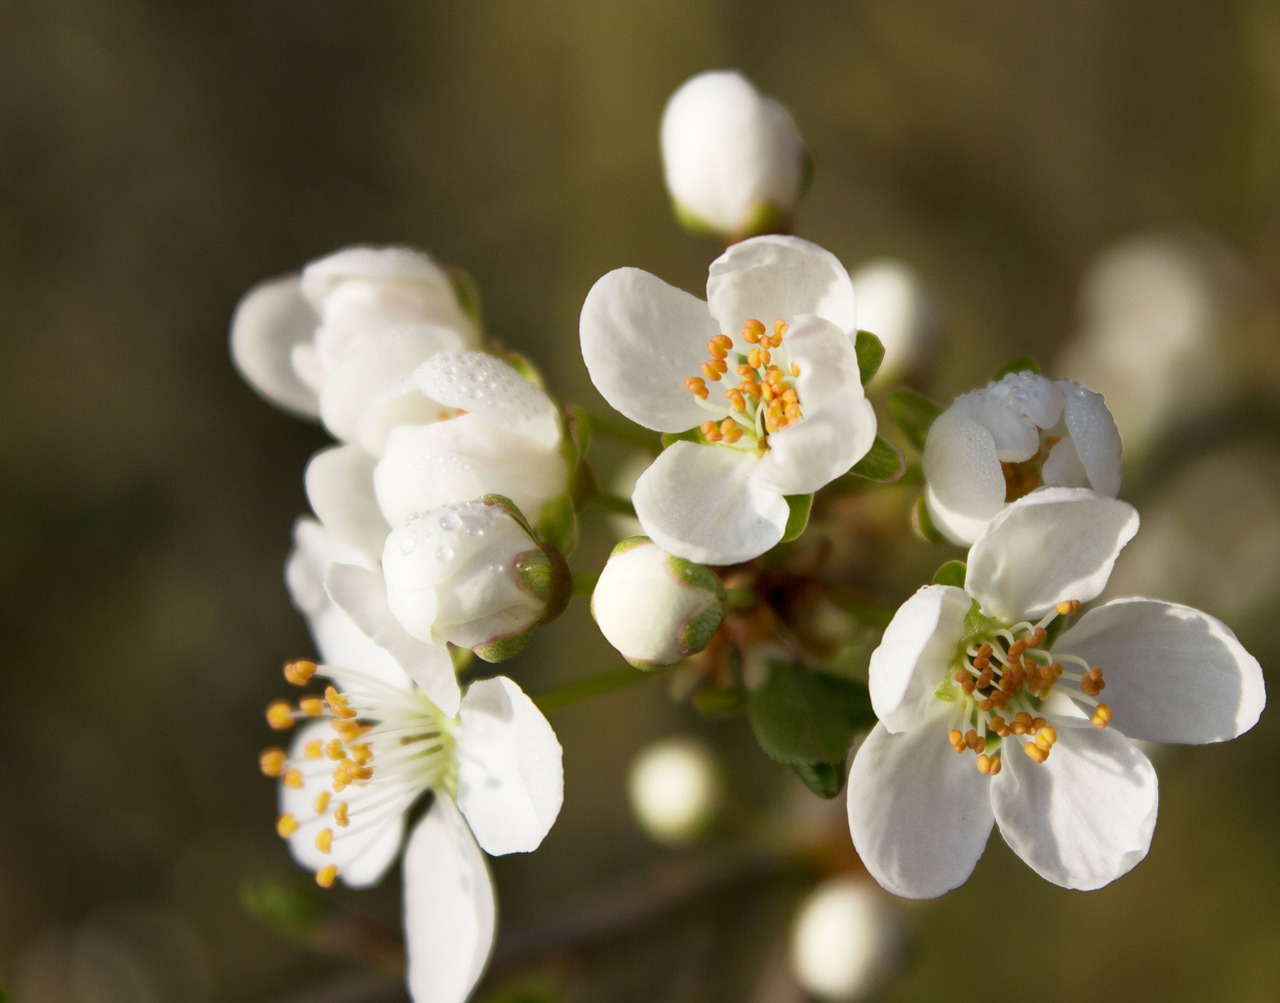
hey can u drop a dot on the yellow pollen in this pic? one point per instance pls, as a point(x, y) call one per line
point(1069, 608)
point(710, 372)
point(311, 706)
point(280, 716)
point(335, 750)
point(1101, 716)
point(956, 739)
point(286, 825)
point(697, 386)
point(1035, 752)
point(293, 779)
point(752, 331)
point(324, 840)
point(326, 876)
point(347, 729)
point(321, 803)
point(299, 672)
point(340, 815)
point(272, 762)
point(338, 705)
point(314, 749)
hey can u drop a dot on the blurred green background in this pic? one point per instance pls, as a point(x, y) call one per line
point(158, 158)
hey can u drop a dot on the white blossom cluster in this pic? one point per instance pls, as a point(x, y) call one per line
point(444, 516)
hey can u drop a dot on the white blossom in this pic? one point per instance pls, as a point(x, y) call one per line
point(894, 306)
point(994, 445)
point(779, 403)
point(976, 669)
point(733, 159)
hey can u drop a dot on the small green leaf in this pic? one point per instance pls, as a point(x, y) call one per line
point(884, 463)
point(1025, 364)
point(825, 779)
point(764, 218)
point(715, 704)
point(798, 518)
point(803, 718)
point(870, 350)
point(977, 624)
point(922, 525)
point(558, 524)
point(913, 413)
point(691, 435)
point(951, 573)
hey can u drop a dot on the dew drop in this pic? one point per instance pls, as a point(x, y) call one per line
point(408, 544)
point(450, 521)
point(444, 554)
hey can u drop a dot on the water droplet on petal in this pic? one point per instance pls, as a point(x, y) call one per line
point(444, 554)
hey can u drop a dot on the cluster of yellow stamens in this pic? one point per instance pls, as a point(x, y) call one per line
point(1010, 670)
point(1025, 476)
point(764, 399)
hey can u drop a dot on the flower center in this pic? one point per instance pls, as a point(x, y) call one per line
point(764, 398)
point(1004, 674)
point(388, 747)
point(1021, 478)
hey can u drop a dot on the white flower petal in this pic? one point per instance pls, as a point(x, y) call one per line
point(1096, 438)
point(965, 485)
point(916, 654)
point(271, 320)
point(338, 640)
point(362, 595)
point(919, 814)
point(820, 447)
point(701, 503)
point(772, 277)
point(485, 385)
point(510, 777)
point(339, 484)
point(1055, 544)
point(362, 852)
point(449, 909)
point(1173, 674)
point(825, 358)
point(363, 374)
point(641, 339)
point(1062, 467)
point(1083, 818)
point(403, 264)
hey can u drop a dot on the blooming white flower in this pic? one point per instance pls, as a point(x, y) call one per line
point(846, 940)
point(894, 306)
point(472, 574)
point(994, 445)
point(369, 749)
point(656, 608)
point(733, 159)
point(975, 669)
point(497, 433)
point(328, 342)
point(781, 407)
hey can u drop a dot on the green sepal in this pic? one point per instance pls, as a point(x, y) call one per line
point(977, 624)
point(542, 573)
point(913, 413)
point(467, 293)
point(1025, 364)
point(799, 507)
point(461, 658)
point(883, 463)
point(697, 633)
point(287, 906)
point(922, 525)
point(692, 223)
point(764, 218)
point(689, 435)
point(825, 779)
point(870, 351)
point(558, 523)
point(522, 364)
point(951, 573)
point(803, 717)
point(715, 704)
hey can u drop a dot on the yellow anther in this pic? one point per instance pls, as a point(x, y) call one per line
point(795, 370)
point(311, 706)
point(272, 762)
point(321, 804)
point(697, 386)
point(314, 749)
point(996, 766)
point(340, 814)
point(324, 840)
point(338, 705)
point(956, 739)
point(984, 763)
point(734, 434)
point(299, 672)
point(707, 428)
point(336, 750)
point(286, 825)
point(753, 358)
point(293, 779)
point(1044, 742)
point(710, 372)
point(774, 377)
point(1048, 733)
point(360, 754)
point(779, 329)
point(751, 331)
point(1035, 752)
point(1068, 608)
point(280, 716)
point(736, 400)
point(719, 345)
point(1101, 716)
point(348, 729)
point(326, 876)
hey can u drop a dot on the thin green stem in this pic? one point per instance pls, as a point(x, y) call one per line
point(612, 503)
point(584, 689)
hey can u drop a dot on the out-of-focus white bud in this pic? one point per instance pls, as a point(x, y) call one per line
point(846, 940)
point(994, 445)
point(676, 789)
point(329, 341)
point(893, 305)
point(734, 161)
point(654, 607)
point(472, 574)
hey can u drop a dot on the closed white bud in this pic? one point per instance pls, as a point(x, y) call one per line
point(675, 788)
point(893, 305)
point(472, 574)
point(733, 159)
point(654, 607)
point(846, 940)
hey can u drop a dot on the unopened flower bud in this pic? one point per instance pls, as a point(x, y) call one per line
point(894, 306)
point(472, 574)
point(675, 789)
point(734, 161)
point(656, 608)
point(846, 940)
